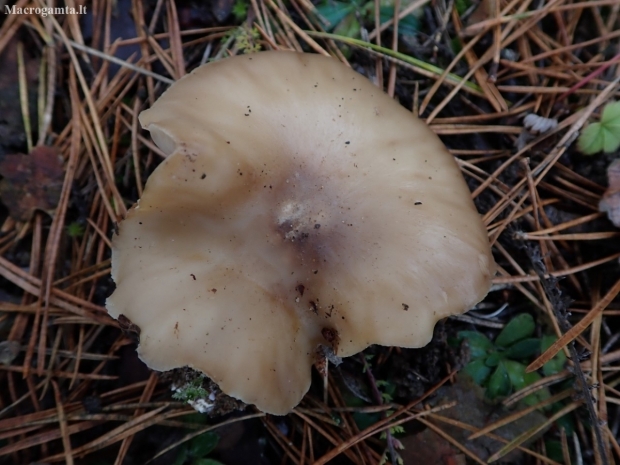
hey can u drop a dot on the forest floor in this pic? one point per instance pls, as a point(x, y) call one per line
point(510, 87)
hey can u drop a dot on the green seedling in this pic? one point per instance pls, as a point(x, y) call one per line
point(604, 135)
point(196, 450)
point(499, 366)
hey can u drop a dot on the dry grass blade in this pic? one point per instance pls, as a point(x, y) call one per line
point(510, 418)
point(451, 440)
point(62, 419)
point(532, 432)
point(202, 431)
point(576, 330)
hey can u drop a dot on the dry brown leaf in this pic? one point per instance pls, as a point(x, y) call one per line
point(31, 182)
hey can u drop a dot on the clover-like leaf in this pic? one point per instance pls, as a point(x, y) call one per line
point(604, 135)
point(520, 327)
point(611, 114)
point(590, 141)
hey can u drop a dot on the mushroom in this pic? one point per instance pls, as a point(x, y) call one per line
point(299, 207)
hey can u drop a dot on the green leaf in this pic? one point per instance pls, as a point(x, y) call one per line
point(344, 17)
point(195, 418)
point(203, 444)
point(520, 327)
point(75, 230)
point(590, 141)
point(240, 10)
point(540, 394)
point(493, 359)
point(462, 6)
point(398, 429)
point(409, 25)
point(611, 114)
point(520, 379)
point(556, 364)
point(566, 422)
point(523, 349)
point(207, 462)
point(499, 383)
point(364, 420)
point(479, 345)
point(604, 135)
point(349, 26)
point(611, 139)
point(334, 12)
point(180, 460)
point(553, 449)
point(478, 371)
point(516, 373)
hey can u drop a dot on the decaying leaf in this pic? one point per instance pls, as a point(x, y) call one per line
point(31, 182)
point(610, 203)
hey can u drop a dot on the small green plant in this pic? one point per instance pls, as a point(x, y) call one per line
point(499, 366)
point(75, 230)
point(195, 451)
point(246, 38)
point(386, 390)
point(346, 18)
point(604, 135)
point(462, 6)
point(240, 10)
point(191, 391)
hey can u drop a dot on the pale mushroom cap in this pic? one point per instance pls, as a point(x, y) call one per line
point(299, 206)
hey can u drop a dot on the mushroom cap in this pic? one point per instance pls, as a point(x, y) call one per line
point(299, 206)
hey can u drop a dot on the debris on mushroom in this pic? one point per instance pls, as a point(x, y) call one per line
point(299, 206)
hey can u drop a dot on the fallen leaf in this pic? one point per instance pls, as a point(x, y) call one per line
point(31, 182)
point(427, 447)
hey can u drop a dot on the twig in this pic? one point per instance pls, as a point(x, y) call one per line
point(379, 400)
point(560, 305)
